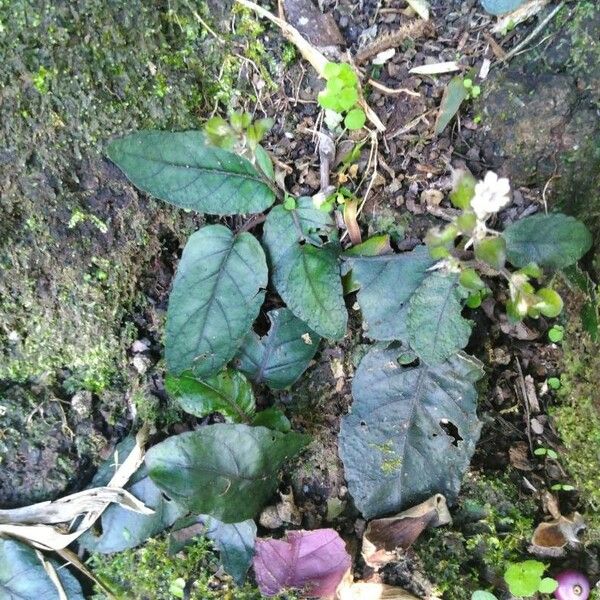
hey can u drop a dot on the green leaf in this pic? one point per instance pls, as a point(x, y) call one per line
point(548, 585)
point(217, 293)
point(523, 579)
point(272, 418)
point(385, 313)
point(491, 251)
point(123, 529)
point(347, 98)
point(226, 471)
point(553, 241)
point(550, 303)
point(305, 269)
point(454, 95)
point(463, 191)
point(234, 541)
point(23, 577)
point(181, 168)
point(355, 119)
point(263, 160)
point(228, 392)
point(436, 329)
point(395, 449)
point(281, 356)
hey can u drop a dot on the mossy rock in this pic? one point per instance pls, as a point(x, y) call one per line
point(85, 260)
point(539, 114)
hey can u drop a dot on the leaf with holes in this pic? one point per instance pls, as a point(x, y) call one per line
point(217, 293)
point(281, 356)
point(22, 575)
point(228, 392)
point(384, 313)
point(226, 471)
point(234, 541)
point(436, 329)
point(411, 430)
point(181, 168)
point(553, 241)
point(305, 269)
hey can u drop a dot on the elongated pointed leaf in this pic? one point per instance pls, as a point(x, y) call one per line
point(227, 392)
point(234, 541)
point(553, 241)
point(436, 329)
point(384, 312)
point(396, 443)
point(226, 471)
point(306, 272)
point(281, 356)
point(123, 529)
point(22, 575)
point(454, 95)
point(181, 168)
point(217, 293)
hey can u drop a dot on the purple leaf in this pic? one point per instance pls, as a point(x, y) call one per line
point(312, 561)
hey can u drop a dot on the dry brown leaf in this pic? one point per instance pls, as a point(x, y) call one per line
point(364, 590)
point(350, 214)
point(384, 538)
point(518, 455)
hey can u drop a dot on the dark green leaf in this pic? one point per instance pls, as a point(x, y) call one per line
point(436, 329)
point(217, 293)
point(234, 541)
point(554, 241)
point(227, 392)
point(23, 577)
point(123, 528)
point(396, 443)
point(226, 471)
point(273, 418)
point(281, 356)
point(305, 270)
point(384, 311)
point(454, 95)
point(184, 170)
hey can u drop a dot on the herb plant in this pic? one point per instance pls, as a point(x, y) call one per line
point(526, 579)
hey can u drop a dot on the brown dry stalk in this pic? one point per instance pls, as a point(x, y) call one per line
point(414, 29)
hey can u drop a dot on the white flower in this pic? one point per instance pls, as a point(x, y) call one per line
point(491, 195)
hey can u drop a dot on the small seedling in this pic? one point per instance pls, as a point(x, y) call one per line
point(473, 91)
point(525, 579)
point(554, 383)
point(564, 487)
point(341, 97)
point(546, 452)
point(556, 333)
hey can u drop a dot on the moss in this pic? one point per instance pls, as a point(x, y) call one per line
point(492, 525)
point(150, 573)
point(577, 419)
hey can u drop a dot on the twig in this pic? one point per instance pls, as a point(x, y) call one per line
point(207, 27)
point(251, 223)
point(526, 402)
point(392, 91)
point(535, 32)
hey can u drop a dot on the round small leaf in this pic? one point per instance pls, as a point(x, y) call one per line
point(491, 251)
point(355, 119)
point(548, 585)
point(550, 303)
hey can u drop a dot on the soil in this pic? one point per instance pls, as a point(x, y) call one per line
point(87, 261)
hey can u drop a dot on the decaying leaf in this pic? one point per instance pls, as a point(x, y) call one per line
point(373, 591)
point(285, 511)
point(552, 538)
point(421, 7)
point(384, 538)
point(311, 561)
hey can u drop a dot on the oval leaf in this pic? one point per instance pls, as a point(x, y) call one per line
point(281, 356)
point(395, 443)
point(454, 95)
point(436, 329)
point(22, 575)
point(384, 313)
point(217, 293)
point(553, 241)
point(305, 270)
point(312, 561)
point(181, 168)
point(228, 392)
point(226, 471)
